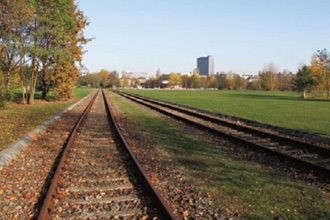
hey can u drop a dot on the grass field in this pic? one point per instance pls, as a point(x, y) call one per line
point(284, 109)
point(254, 191)
point(17, 119)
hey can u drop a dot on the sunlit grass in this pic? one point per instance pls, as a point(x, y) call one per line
point(17, 119)
point(246, 187)
point(284, 109)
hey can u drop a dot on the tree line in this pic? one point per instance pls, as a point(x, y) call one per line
point(313, 78)
point(104, 78)
point(40, 44)
point(267, 79)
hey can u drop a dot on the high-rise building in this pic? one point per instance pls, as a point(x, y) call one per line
point(205, 65)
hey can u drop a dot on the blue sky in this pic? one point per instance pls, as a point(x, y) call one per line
point(242, 35)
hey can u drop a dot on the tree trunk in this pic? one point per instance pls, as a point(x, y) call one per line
point(305, 94)
point(24, 90)
point(44, 89)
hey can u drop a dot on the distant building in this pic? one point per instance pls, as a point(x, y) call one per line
point(205, 65)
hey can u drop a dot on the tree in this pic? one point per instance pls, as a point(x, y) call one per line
point(255, 84)
point(212, 81)
point(174, 79)
point(284, 80)
point(240, 82)
point(73, 42)
point(194, 81)
point(42, 40)
point(203, 81)
point(304, 81)
point(268, 80)
point(317, 72)
point(324, 58)
point(14, 17)
point(113, 79)
point(185, 81)
point(221, 78)
point(103, 76)
point(124, 79)
point(230, 83)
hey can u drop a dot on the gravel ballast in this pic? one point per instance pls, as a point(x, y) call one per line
point(25, 179)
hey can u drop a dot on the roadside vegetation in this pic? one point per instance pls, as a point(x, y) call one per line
point(284, 109)
point(41, 41)
point(248, 188)
point(17, 119)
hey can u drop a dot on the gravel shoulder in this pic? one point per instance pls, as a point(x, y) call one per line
point(25, 179)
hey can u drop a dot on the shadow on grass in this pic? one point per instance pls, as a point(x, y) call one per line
point(37, 95)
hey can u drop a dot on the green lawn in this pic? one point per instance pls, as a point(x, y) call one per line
point(254, 191)
point(284, 109)
point(17, 119)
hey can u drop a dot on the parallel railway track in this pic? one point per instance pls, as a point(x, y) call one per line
point(98, 176)
point(311, 156)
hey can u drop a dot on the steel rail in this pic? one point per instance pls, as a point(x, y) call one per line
point(48, 204)
point(321, 170)
point(153, 192)
point(275, 137)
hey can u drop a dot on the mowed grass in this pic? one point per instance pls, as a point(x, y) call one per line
point(284, 109)
point(248, 188)
point(17, 119)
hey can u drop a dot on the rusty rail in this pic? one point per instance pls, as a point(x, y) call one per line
point(48, 205)
point(321, 170)
point(153, 192)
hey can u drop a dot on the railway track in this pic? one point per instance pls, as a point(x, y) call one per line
point(311, 156)
point(98, 177)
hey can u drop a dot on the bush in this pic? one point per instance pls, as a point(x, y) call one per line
point(6, 94)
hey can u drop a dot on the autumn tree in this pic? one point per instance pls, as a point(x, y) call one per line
point(124, 79)
point(230, 82)
point(285, 80)
point(212, 81)
point(268, 80)
point(324, 60)
point(113, 79)
point(255, 84)
point(41, 39)
point(52, 26)
point(240, 82)
point(14, 17)
point(103, 76)
point(221, 78)
point(64, 80)
point(304, 81)
point(317, 72)
point(185, 81)
point(174, 79)
point(194, 80)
